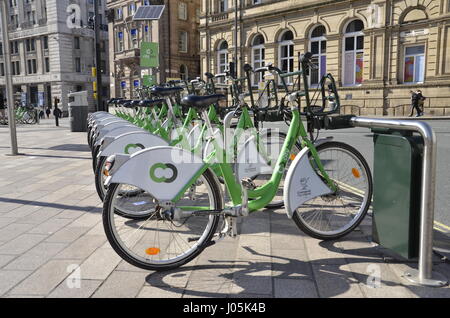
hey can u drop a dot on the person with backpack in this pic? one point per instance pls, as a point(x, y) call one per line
point(417, 100)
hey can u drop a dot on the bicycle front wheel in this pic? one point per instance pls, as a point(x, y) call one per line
point(157, 242)
point(333, 216)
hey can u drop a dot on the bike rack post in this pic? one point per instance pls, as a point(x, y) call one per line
point(424, 275)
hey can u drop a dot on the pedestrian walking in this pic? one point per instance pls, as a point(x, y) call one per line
point(421, 101)
point(416, 100)
point(57, 112)
point(48, 111)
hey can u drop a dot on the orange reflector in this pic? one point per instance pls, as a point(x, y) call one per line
point(106, 172)
point(152, 251)
point(356, 173)
point(293, 157)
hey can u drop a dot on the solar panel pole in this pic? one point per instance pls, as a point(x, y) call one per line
point(8, 80)
point(235, 37)
point(98, 57)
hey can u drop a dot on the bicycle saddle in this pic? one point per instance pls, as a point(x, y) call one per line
point(201, 102)
point(166, 91)
point(150, 102)
point(114, 100)
point(131, 103)
point(123, 101)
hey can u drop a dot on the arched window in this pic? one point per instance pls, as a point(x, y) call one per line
point(286, 54)
point(318, 47)
point(353, 53)
point(222, 57)
point(258, 57)
point(184, 75)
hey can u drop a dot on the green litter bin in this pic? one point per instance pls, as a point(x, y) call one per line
point(397, 191)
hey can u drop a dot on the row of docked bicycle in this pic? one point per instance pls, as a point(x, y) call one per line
point(175, 176)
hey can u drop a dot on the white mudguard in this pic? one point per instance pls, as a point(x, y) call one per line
point(250, 163)
point(109, 129)
point(117, 132)
point(107, 121)
point(132, 142)
point(161, 171)
point(302, 183)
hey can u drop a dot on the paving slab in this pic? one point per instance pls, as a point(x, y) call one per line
point(121, 285)
point(45, 279)
point(84, 289)
point(36, 257)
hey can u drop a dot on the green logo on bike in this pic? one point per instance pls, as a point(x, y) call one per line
point(132, 148)
point(162, 170)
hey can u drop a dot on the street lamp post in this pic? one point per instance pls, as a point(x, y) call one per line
point(98, 63)
point(8, 79)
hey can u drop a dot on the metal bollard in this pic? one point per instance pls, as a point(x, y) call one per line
point(424, 275)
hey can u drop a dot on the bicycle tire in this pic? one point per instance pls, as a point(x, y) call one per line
point(99, 186)
point(334, 235)
point(109, 212)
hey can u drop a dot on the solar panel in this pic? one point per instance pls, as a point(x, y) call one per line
point(151, 12)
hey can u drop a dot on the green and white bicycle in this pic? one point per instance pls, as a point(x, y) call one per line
point(327, 190)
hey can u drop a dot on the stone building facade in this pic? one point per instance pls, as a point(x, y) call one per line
point(176, 32)
point(52, 50)
point(378, 50)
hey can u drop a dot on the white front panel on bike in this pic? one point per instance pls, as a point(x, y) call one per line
point(117, 132)
point(161, 171)
point(302, 183)
point(132, 142)
point(107, 130)
point(250, 163)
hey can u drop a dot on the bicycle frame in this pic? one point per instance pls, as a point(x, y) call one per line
point(265, 194)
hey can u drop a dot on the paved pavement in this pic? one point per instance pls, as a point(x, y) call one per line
point(51, 234)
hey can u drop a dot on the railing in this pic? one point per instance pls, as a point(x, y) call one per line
point(424, 275)
point(219, 17)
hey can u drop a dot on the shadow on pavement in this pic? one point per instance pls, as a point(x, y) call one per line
point(59, 157)
point(242, 276)
point(91, 209)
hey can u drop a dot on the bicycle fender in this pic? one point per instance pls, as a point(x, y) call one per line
point(107, 130)
point(302, 183)
point(117, 132)
point(130, 143)
point(161, 171)
point(107, 121)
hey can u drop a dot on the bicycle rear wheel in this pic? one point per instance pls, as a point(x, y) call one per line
point(333, 216)
point(156, 242)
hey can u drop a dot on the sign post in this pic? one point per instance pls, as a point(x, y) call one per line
point(149, 59)
point(8, 79)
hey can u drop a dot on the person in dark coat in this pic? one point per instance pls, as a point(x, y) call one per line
point(416, 100)
point(48, 111)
